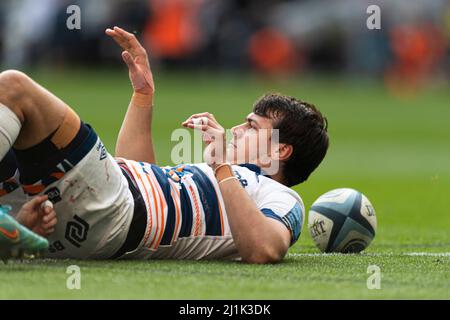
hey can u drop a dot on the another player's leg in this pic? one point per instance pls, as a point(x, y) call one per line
point(29, 114)
point(16, 241)
point(62, 157)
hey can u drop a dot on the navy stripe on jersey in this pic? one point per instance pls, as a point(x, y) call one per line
point(186, 212)
point(165, 187)
point(209, 200)
point(270, 214)
point(293, 220)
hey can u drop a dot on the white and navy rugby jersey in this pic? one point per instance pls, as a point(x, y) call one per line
point(187, 218)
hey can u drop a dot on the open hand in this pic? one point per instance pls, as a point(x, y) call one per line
point(136, 59)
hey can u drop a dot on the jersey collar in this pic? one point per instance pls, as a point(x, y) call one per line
point(253, 167)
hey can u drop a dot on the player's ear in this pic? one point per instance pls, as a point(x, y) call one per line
point(284, 151)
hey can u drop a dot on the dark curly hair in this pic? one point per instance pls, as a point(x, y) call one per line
point(300, 125)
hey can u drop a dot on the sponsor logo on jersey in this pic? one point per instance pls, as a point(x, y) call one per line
point(54, 195)
point(101, 148)
point(77, 231)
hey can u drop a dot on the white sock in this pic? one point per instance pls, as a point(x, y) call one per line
point(9, 129)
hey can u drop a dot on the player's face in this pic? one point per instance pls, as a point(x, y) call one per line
point(251, 141)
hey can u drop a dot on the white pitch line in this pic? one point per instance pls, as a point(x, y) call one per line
point(425, 254)
point(429, 254)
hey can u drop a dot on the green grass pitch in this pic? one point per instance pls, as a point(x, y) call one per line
point(395, 150)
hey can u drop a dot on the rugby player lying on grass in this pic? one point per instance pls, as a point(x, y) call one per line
point(128, 207)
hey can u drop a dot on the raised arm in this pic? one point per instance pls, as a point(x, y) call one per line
point(135, 136)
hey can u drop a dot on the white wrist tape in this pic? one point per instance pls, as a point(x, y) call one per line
point(47, 203)
point(198, 122)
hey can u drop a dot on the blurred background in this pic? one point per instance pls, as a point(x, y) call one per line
point(385, 92)
point(265, 36)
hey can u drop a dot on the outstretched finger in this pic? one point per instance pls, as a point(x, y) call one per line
point(119, 39)
point(204, 116)
point(134, 45)
point(127, 35)
point(204, 127)
point(192, 125)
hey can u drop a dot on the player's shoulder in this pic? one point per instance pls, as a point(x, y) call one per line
point(277, 201)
